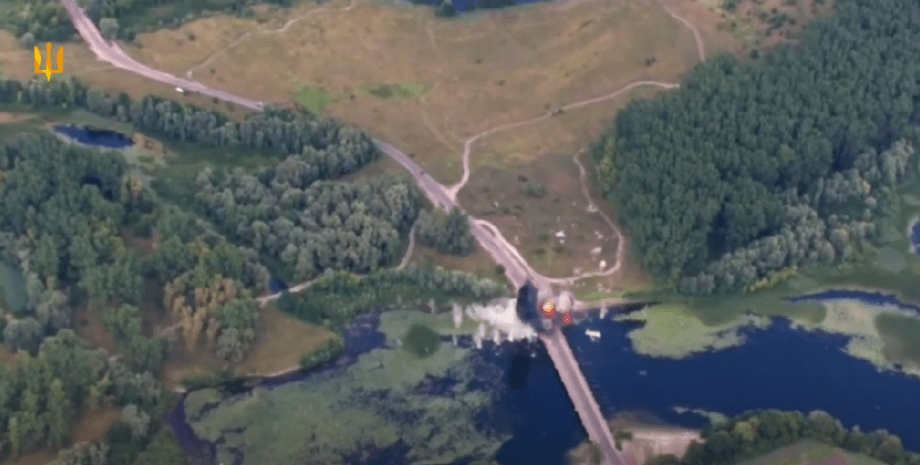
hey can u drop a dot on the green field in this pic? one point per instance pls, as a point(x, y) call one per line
point(811, 452)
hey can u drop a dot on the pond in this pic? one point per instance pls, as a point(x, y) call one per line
point(13, 295)
point(778, 367)
point(96, 137)
point(464, 6)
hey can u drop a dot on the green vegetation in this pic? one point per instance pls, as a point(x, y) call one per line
point(447, 233)
point(786, 161)
point(328, 351)
point(809, 451)
point(164, 450)
point(122, 19)
point(66, 208)
point(37, 21)
point(673, 331)
point(403, 90)
point(337, 297)
point(421, 341)
point(313, 99)
point(211, 379)
point(13, 295)
point(753, 434)
point(388, 396)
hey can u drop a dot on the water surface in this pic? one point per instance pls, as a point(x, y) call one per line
point(95, 137)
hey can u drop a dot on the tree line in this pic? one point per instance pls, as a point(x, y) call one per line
point(448, 233)
point(67, 210)
point(306, 227)
point(47, 20)
point(758, 432)
point(339, 296)
point(338, 148)
point(742, 151)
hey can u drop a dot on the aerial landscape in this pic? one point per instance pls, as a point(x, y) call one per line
point(459, 232)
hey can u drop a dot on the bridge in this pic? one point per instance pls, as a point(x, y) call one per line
point(486, 234)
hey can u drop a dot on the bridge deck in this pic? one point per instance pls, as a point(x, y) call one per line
point(582, 397)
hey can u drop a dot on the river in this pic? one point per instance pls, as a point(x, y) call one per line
point(778, 367)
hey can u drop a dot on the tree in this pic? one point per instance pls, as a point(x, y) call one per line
point(59, 410)
point(23, 334)
point(446, 9)
point(109, 28)
point(448, 234)
point(27, 40)
point(777, 163)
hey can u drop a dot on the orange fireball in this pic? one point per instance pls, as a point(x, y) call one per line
point(549, 309)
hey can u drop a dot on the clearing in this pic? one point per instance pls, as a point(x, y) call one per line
point(810, 452)
point(428, 85)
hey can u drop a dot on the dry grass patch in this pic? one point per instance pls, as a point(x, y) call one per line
point(18, 63)
point(464, 75)
point(479, 263)
point(88, 325)
point(764, 23)
point(87, 426)
point(508, 166)
point(280, 342)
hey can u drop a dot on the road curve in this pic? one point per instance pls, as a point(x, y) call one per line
point(110, 52)
point(488, 236)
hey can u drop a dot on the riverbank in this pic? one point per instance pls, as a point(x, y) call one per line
point(639, 441)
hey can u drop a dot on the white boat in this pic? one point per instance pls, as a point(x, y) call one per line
point(594, 335)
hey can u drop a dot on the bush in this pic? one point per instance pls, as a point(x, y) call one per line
point(421, 341)
point(205, 380)
point(329, 351)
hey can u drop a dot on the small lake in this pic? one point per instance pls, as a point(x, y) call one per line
point(13, 295)
point(95, 137)
point(778, 367)
point(465, 6)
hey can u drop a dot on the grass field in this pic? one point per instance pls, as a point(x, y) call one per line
point(809, 452)
point(427, 85)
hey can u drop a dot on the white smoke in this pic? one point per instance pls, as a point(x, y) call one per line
point(501, 316)
point(480, 333)
point(458, 316)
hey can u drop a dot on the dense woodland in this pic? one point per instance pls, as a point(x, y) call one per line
point(448, 233)
point(43, 20)
point(339, 296)
point(755, 433)
point(305, 226)
point(68, 211)
point(783, 161)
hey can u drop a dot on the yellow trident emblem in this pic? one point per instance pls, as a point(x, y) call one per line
point(48, 69)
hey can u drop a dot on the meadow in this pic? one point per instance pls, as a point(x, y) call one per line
point(810, 452)
point(428, 85)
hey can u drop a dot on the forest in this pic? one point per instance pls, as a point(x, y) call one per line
point(448, 233)
point(47, 20)
point(69, 209)
point(787, 160)
point(755, 433)
point(338, 296)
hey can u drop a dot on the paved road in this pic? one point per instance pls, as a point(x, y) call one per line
point(488, 236)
